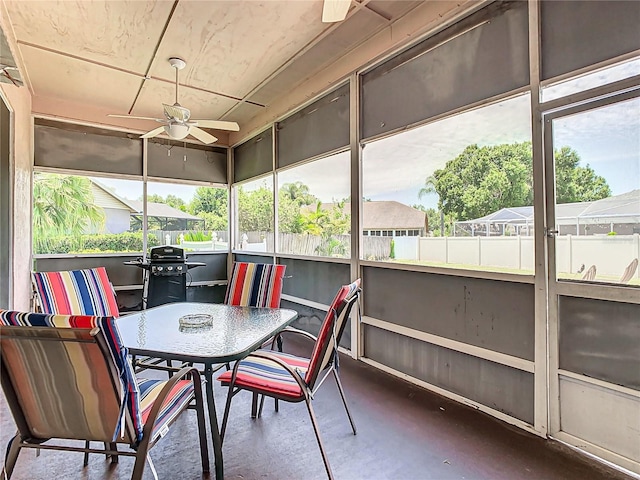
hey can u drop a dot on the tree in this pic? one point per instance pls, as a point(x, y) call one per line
point(297, 192)
point(482, 180)
point(575, 183)
point(255, 210)
point(171, 200)
point(289, 213)
point(63, 205)
point(212, 205)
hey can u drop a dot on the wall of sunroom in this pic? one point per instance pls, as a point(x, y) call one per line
point(473, 331)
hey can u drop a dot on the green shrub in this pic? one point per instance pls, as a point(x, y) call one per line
point(103, 243)
point(197, 237)
point(392, 253)
point(612, 233)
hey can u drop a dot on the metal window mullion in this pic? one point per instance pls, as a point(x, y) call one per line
point(274, 178)
point(541, 378)
point(357, 349)
point(145, 226)
point(231, 210)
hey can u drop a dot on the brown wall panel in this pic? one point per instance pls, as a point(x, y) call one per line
point(490, 314)
point(502, 388)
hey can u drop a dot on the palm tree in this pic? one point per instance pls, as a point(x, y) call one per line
point(63, 205)
point(430, 187)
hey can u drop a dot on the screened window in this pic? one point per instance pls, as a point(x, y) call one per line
point(461, 187)
point(314, 211)
point(597, 212)
point(78, 214)
point(591, 80)
point(254, 207)
point(192, 217)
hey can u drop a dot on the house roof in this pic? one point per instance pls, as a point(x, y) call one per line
point(620, 208)
point(387, 215)
point(162, 210)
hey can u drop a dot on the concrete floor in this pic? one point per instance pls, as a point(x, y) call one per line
point(404, 432)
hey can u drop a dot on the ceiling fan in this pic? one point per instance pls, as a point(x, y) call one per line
point(335, 10)
point(178, 123)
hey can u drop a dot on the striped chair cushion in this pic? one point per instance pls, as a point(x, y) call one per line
point(325, 344)
point(76, 292)
point(179, 397)
point(255, 285)
point(260, 373)
point(118, 351)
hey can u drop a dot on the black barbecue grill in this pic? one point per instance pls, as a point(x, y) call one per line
point(165, 279)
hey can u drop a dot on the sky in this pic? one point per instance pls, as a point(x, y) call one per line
point(395, 168)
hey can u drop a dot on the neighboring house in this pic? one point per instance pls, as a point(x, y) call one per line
point(388, 219)
point(164, 217)
point(117, 210)
point(618, 213)
point(122, 215)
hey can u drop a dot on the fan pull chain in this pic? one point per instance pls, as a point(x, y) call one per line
point(185, 152)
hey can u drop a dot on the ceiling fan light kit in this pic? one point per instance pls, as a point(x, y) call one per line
point(177, 131)
point(177, 118)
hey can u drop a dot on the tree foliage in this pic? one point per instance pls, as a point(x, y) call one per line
point(171, 200)
point(63, 205)
point(482, 180)
point(212, 205)
point(255, 210)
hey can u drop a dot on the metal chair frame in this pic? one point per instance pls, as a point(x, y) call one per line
point(307, 390)
point(24, 438)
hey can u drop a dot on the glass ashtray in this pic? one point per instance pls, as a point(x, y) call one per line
point(196, 320)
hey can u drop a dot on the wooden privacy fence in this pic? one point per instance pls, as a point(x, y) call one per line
point(375, 248)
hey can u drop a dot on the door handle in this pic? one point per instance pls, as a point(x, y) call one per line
point(550, 232)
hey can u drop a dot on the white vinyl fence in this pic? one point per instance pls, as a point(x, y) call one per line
point(610, 254)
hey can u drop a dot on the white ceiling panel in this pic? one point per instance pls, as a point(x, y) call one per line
point(243, 112)
point(230, 47)
point(341, 40)
point(122, 33)
point(203, 105)
point(73, 80)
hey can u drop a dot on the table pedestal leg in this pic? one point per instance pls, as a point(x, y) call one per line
point(213, 421)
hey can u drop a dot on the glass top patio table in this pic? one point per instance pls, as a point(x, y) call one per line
point(235, 331)
point(233, 334)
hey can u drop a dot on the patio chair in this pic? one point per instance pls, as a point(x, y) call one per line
point(75, 292)
point(590, 274)
point(630, 271)
point(90, 393)
point(255, 285)
point(295, 379)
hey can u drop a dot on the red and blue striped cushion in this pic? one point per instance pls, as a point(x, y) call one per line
point(258, 372)
point(76, 292)
point(255, 285)
point(119, 353)
point(262, 374)
point(325, 344)
point(179, 397)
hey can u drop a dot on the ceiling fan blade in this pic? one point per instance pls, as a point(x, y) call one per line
point(153, 133)
point(134, 117)
point(177, 111)
point(201, 135)
point(335, 10)
point(219, 125)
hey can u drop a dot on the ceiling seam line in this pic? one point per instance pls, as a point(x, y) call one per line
point(287, 63)
point(153, 55)
point(82, 59)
